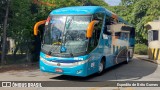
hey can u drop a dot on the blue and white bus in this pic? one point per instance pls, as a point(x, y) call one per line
point(83, 40)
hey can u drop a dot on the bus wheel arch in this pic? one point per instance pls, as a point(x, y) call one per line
point(101, 66)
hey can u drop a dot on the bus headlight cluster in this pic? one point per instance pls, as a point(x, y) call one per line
point(81, 62)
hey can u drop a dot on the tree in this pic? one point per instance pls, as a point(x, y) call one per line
point(128, 2)
point(3, 4)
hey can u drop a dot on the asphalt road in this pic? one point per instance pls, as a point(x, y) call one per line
point(136, 70)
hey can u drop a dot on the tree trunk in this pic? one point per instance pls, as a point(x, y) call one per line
point(4, 34)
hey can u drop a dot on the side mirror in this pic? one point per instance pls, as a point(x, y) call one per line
point(90, 28)
point(37, 25)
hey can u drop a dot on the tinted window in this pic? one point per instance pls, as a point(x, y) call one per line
point(108, 21)
point(155, 35)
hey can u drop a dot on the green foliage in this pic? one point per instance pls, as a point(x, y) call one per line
point(44, 10)
point(99, 3)
point(21, 23)
point(141, 49)
point(128, 2)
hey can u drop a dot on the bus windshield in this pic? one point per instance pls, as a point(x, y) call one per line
point(66, 35)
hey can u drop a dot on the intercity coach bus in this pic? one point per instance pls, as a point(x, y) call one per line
point(83, 40)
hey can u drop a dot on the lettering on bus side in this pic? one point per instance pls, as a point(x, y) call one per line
point(77, 58)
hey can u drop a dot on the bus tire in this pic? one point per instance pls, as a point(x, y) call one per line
point(101, 67)
point(127, 58)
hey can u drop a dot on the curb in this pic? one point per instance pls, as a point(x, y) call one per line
point(149, 60)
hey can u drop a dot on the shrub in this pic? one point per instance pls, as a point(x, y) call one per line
point(141, 49)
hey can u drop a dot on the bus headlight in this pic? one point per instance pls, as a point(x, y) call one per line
point(81, 62)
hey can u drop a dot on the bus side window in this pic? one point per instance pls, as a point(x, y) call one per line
point(97, 31)
point(108, 21)
point(117, 35)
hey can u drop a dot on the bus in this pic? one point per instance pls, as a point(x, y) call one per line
point(83, 40)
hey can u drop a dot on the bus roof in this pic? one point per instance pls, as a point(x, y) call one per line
point(84, 10)
point(78, 10)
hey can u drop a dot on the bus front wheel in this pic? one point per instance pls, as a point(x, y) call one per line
point(101, 67)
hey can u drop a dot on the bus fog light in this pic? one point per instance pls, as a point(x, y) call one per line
point(79, 71)
point(42, 68)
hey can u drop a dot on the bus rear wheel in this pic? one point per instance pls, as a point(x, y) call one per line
point(127, 57)
point(101, 67)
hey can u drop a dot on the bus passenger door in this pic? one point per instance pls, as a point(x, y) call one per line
point(107, 41)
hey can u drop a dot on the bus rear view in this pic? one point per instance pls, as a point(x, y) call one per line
point(70, 46)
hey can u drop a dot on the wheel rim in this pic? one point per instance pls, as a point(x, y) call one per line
point(127, 57)
point(100, 67)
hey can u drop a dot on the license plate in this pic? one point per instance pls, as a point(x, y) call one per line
point(59, 70)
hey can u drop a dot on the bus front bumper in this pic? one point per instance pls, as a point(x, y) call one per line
point(65, 69)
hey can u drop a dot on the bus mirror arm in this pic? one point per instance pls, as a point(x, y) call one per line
point(90, 28)
point(37, 25)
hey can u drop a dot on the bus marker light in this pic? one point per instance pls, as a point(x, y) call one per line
point(58, 64)
point(48, 56)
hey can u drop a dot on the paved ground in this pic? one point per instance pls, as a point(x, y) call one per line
point(136, 70)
